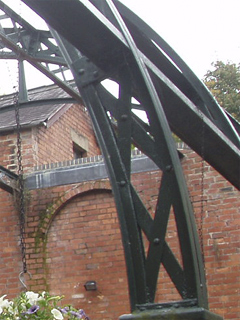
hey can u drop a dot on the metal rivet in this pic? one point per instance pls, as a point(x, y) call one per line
point(95, 74)
point(81, 71)
point(169, 168)
point(124, 117)
point(156, 241)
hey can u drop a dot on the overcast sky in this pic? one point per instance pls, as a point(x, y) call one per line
point(200, 31)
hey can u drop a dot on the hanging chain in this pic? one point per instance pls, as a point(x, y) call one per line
point(21, 195)
point(20, 186)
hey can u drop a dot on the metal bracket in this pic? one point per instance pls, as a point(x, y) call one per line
point(87, 72)
point(8, 180)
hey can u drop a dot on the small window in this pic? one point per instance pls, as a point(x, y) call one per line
point(78, 152)
point(80, 145)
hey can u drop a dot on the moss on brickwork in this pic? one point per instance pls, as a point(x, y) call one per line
point(41, 237)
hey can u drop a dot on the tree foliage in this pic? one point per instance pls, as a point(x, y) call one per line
point(224, 83)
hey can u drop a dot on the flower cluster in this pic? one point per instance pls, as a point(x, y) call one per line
point(33, 306)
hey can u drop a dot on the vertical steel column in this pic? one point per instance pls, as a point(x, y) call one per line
point(142, 270)
point(117, 56)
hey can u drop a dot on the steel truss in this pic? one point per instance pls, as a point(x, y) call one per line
point(102, 39)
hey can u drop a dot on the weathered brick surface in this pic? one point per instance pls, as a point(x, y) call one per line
point(83, 243)
point(10, 257)
point(54, 143)
point(73, 233)
point(44, 145)
point(218, 205)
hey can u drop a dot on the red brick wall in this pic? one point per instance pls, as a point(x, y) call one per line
point(43, 145)
point(219, 204)
point(39, 145)
point(8, 151)
point(82, 242)
point(54, 144)
point(69, 228)
point(10, 258)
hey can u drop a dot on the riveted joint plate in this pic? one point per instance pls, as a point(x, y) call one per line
point(86, 72)
point(8, 180)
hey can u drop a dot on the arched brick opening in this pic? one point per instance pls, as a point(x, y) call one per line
point(84, 243)
point(61, 200)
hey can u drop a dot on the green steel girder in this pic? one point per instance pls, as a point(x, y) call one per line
point(34, 46)
point(187, 104)
point(115, 44)
point(116, 148)
point(102, 39)
point(38, 43)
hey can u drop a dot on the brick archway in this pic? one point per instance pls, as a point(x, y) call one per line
point(55, 206)
point(84, 243)
point(37, 240)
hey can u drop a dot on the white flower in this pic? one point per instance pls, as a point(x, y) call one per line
point(57, 314)
point(2, 297)
point(32, 297)
point(4, 303)
point(41, 296)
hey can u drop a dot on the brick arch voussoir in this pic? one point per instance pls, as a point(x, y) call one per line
point(66, 196)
